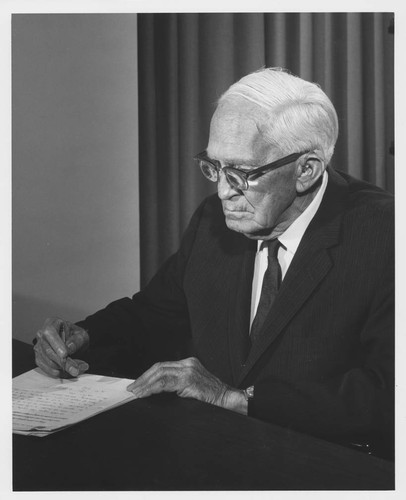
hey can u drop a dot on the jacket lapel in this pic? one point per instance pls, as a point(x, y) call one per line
point(309, 267)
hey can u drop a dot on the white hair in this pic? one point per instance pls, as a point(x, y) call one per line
point(299, 115)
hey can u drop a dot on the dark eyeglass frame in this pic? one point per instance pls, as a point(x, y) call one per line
point(241, 174)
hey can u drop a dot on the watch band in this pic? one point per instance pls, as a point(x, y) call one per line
point(249, 392)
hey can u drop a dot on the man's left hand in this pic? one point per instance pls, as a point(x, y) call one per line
point(189, 379)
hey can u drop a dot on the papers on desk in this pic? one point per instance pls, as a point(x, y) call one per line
point(42, 405)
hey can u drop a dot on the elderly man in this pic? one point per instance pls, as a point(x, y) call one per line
point(282, 289)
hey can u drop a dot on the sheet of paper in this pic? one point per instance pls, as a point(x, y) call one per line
point(42, 405)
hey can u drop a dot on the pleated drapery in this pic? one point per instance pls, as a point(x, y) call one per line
point(186, 61)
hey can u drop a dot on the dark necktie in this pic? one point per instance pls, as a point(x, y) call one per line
point(270, 287)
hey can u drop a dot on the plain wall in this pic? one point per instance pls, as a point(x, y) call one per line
point(75, 165)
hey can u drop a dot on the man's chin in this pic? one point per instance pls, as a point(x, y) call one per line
point(247, 228)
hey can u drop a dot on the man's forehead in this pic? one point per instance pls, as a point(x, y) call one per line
point(235, 131)
point(239, 111)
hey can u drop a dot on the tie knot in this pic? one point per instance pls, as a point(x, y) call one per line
point(273, 247)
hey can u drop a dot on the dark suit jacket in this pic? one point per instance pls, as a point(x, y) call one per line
point(325, 363)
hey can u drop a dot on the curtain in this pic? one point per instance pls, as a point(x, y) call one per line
point(186, 61)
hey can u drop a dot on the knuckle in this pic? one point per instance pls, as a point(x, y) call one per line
point(166, 382)
point(79, 331)
point(71, 346)
point(159, 369)
point(189, 362)
point(46, 369)
point(48, 352)
point(48, 332)
point(51, 326)
point(79, 337)
point(38, 350)
point(51, 322)
point(162, 373)
point(54, 320)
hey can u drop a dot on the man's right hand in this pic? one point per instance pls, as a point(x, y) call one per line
point(56, 342)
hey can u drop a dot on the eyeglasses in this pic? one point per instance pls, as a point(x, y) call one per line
point(236, 177)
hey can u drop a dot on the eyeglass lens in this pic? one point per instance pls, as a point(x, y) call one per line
point(235, 179)
point(208, 171)
point(211, 173)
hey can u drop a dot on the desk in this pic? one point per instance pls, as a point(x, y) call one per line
point(168, 443)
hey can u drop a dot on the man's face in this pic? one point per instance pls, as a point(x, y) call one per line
point(265, 209)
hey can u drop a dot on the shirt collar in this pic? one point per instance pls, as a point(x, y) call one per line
point(290, 239)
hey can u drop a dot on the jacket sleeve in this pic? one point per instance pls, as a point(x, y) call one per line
point(130, 334)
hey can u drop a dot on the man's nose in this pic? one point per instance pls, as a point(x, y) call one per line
point(224, 188)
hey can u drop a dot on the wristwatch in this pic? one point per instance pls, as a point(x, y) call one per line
point(249, 392)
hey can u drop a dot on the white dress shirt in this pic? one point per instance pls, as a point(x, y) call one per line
point(289, 240)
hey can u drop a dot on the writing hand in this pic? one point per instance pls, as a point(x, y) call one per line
point(189, 379)
point(56, 341)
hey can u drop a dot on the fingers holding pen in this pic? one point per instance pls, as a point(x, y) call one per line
point(45, 350)
point(75, 367)
point(53, 332)
point(78, 338)
point(57, 340)
point(63, 337)
point(49, 367)
point(53, 366)
point(46, 358)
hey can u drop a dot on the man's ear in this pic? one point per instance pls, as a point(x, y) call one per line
point(310, 168)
